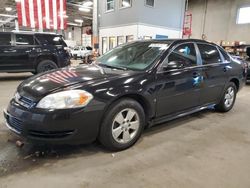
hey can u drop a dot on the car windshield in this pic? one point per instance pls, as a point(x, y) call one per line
point(134, 56)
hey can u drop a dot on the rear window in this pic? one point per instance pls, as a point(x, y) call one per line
point(5, 39)
point(51, 40)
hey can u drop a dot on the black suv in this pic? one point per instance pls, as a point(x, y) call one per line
point(32, 52)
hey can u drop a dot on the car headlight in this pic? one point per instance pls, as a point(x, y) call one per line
point(65, 100)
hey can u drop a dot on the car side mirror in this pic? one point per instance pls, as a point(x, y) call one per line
point(173, 65)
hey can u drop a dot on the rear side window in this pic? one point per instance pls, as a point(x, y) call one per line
point(225, 55)
point(184, 54)
point(51, 40)
point(5, 39)
point(209, 54)
point(24, 39)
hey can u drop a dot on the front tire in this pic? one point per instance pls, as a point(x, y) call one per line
point(228, 99)
point(122, 125)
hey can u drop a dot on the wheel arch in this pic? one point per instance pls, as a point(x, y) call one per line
point(147, 107)
point(236, 82)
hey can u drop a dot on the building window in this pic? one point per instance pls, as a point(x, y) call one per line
point(104, 45)
point(120, 40)
point(125, 3)
point(110, 5)
point(129, 38)
point(243, 15)
point(112, 43)
point(150, 3)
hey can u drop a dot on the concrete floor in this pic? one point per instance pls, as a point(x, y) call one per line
point(207, 149)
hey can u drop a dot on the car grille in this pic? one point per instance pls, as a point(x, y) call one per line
point(51, 134)
point(26, 102)
point(15, 123)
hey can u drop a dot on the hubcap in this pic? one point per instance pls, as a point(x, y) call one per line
point(229, 97)
point(125, 126)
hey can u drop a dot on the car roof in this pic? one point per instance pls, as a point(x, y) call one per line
point(176, 40)
point(30, 33)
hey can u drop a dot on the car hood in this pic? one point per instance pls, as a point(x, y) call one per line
point(41, 85)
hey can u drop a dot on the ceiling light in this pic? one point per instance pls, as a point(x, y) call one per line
point(74, 24)
point(79, 20)
point(8, 9)
point(84, 9)
point(88, 3)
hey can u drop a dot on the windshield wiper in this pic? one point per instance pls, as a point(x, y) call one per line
point(113, 67)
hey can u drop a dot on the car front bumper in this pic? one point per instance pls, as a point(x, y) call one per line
point(78, 126)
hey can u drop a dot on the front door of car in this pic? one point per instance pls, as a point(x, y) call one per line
point(178, 81)
point(214, 71)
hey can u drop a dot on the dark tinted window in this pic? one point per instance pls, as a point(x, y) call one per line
point(5, 39)
point(150, 3)
point(50, 39)
point(225, 55)
point(88, 48)
point(184, 54)
point(24, 39)
point(209, 54)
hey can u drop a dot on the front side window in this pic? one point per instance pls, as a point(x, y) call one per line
point(5, 39)
point(125, 3)
point(243, 15)
point(183, 56)
point(209, 54)
point(24, 39)
point(134, 56)
point(110, 5)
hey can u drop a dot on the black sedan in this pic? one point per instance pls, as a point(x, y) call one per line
point(131, 87)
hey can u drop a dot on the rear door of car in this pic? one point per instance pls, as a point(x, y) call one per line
point(178, 89)
point(214, 72)
point(6, 52)
point(25, 51)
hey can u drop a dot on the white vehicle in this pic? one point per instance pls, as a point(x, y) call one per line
point(81, 51)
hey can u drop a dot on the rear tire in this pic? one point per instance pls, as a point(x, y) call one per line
point(228, 99)
point(122, 125)
point(46, 65)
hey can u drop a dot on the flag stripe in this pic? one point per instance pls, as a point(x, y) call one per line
point(54, 14)
point(19, 13)
point(39, 14)
point(61, 14)
point(51, 21)
point(64, 15)
point(23, 13)
point(47, 7)
point(27, 12)
point(35, 14)
point(49, 14)
point(31, 14)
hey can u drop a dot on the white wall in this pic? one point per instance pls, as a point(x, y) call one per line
point(138, 30)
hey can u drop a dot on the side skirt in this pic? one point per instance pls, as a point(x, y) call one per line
point(170, 117)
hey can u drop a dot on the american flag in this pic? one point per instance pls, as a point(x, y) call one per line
point(62, 76)
point(42, 14)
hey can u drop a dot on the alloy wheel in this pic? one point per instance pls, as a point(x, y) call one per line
point(229, 97)
point(125, 126)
